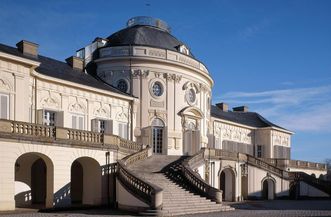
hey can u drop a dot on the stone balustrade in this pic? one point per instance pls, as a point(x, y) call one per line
point(261, 163)
point(158, 53)
point(85, 136)
point(58, 135)
point(196, 181)
point(265, 165)
point(144, 190)
point(298, 164)
point(306, 165)
point(124, 143)
point(29, 129)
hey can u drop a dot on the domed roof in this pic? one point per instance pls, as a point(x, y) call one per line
point(145, 35)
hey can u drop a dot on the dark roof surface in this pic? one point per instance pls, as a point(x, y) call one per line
point(57, 69)
point(251, 119)
point(145, 35)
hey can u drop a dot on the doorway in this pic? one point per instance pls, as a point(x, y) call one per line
point(157, 135)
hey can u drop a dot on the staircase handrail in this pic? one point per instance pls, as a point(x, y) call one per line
point(144, 190)
point(196, 181)
point(228, 155)
point(321, 184)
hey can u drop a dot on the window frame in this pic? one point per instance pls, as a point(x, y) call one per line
point(7, 107)
point(77, 116)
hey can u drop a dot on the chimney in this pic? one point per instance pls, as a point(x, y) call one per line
point(223, 106)
point(240, 109)
point(28, 48)
point(76, 63)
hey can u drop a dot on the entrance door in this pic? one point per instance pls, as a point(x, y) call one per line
point(191, 140)
point(268, 189)
point(157, 135)
point(157, 140)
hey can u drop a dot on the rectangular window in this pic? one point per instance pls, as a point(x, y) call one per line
point(49, 118)
point(4, 108)
point(77, 122)
point(123, 130)
point(102, 126)
point(259, 151)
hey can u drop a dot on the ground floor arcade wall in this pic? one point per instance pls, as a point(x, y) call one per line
point(18, 159)
point(241, 181)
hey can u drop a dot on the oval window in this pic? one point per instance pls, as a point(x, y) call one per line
point(157, 89)
point(122, 85)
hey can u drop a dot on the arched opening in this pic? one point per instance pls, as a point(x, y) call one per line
point(227, 184)
point(76, 187)
point(268, 189)
point(157, 135)
point(191, 118)
point(85, 182)
point(244, 187)
point(33, 181)
point(38, 182)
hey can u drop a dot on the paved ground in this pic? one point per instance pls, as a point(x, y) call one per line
point(283, 208)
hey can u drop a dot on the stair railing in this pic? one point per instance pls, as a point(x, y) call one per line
point(196, 181)
point(144, 190)
point(320, 184)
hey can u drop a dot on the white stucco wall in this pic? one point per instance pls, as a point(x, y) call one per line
point(60, 159)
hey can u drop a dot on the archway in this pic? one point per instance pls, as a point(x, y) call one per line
point(227, 184)
point(85, 182)
point(191, 118)
point(268, 189)
point(38, 182)
point(157, 135)
point(244, 187)
point(34, 181)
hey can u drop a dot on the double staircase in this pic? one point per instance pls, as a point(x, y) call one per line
point(178, 198)
point(322, 185)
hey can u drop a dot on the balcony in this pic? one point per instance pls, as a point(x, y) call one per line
point(24, 131)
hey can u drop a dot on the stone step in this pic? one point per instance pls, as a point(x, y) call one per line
point(177, 200)
point(185, 204)
point(188, 202)
point(191, 211)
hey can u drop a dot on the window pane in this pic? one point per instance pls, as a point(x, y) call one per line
point(74, 121)
point(120, 132)
point(4, 107)
point(125, 130)
point(81, 123)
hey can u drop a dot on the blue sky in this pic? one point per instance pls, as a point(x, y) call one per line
point(273, 56)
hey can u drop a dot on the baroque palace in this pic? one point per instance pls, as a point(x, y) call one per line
point(128, 122)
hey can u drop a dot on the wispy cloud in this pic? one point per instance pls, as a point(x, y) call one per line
point(252, 30)
point(298, 109)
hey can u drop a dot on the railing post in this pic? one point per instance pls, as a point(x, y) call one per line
point(61, 133)
point(5, 126)
point(157, 199)
point(218, 196)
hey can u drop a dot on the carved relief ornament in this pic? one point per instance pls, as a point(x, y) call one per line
point(102, 110)
point(4, 85)
point(139, 73)
point(50, 101)
point(77, 106)
point(172, 77)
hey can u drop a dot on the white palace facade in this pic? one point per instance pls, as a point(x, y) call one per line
point(78, 132)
